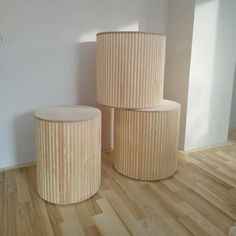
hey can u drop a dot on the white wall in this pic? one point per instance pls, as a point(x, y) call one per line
point(48, 58)
point(178, 55)
point(233, 105)
point(211, 73)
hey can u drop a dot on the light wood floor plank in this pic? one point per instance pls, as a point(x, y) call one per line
point(200, 199)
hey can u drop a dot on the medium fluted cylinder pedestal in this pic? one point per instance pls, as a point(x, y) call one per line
point(68, 141)
point(130, 69)
point(146, 141)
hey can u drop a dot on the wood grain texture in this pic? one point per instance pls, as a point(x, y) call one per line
point(107, 127)
point(232, 134)
point(130, 69)
point(68, 113)
point(198, 200)
point(146, 141)
point(68, 160)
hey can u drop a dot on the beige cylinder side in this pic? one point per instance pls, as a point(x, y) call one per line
point(130, 69)
point(68, 159)
point(146, 142)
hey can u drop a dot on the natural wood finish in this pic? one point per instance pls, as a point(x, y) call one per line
point(68, 113)
point(130, 69)
point(68, 157)
point(232, 134)
point(200, 199)
point(146, 141)
point(107, 127)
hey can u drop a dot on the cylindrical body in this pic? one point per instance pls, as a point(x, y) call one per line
point(146, 141)
point(130, 69)
point(68, 141)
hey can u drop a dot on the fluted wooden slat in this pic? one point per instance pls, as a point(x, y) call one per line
point(146, 141)
point(130, 69)
point(68, 159)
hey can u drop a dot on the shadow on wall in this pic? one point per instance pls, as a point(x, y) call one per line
point(87, 73)
point(223, 72)
point(202, 79)
point(232, 124)
point(54, 62)
point(87, 90)
point(212, 72)
point(23, 128)
point(24, 138)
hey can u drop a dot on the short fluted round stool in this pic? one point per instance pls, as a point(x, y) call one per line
point(68, 145)
point(146, 141)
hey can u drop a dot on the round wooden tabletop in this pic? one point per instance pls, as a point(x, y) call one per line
point(68, 113)
point(165, 105)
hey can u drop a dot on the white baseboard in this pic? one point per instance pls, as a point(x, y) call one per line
point(205, 148)
point(18, 166)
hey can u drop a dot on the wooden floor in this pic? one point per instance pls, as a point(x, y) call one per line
point(199, 200)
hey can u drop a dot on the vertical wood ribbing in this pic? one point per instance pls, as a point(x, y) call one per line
point(130, 69)
point(146, 143)
point(68, 160)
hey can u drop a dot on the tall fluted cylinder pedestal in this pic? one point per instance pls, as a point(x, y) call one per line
point(146, 141)
point(130, 69)
point(68, 141)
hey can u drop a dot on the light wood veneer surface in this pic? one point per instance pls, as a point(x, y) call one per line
point(130, 69)
point(68, 113)
point(198, 200)
point(68, 145)
point(146, 141)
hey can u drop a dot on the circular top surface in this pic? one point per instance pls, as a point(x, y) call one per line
point(68, 113)
point(129, 32)
point(166, 105)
